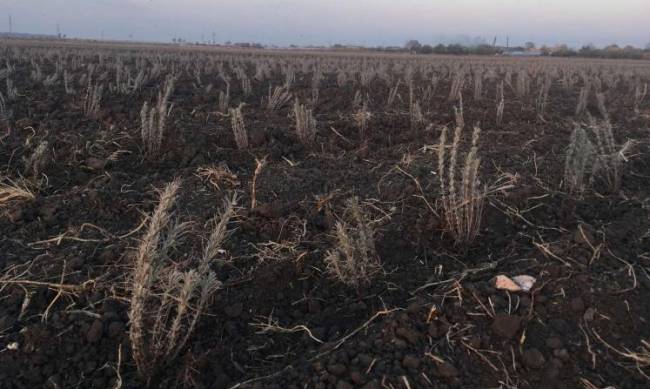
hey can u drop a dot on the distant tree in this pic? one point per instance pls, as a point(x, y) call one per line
point(426, 49)
point(455, 49)
point(588, 50)
point(485, 49)
point(647, 46)
point(564, 51)
point(530, 45)
point(613, 51)
point(545, 50)
point(440, 49)
point(632, 52)
point(413, 45)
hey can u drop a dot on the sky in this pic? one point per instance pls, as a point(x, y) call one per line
point(325, 22)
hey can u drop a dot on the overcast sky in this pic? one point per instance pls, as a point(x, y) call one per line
point(369, 22)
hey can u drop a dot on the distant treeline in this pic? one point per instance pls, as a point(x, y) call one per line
point(611, 51)
point(414, 46)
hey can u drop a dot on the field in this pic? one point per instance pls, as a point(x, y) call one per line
point(179, 217)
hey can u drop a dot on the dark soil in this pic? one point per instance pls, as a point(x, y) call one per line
point(432, 319)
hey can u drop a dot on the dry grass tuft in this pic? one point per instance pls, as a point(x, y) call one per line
point(166, 301)
point(224, 99)
point(640, 93)
point(3, 108)
point(35, 163)
point(259, 166)
point(459, 114)
point(286, 246)
point(583, 99)
point(93, 99)
point(15, 191)
point(153, 120)
point(462, 197)
point(150, 130)
point(579, 156)
point(602, 106)
point(305, 124)
point(149, 262)
point(593, 156)
point(501, 103)
point(277, 98)
point(361, 118)
point(238, 127)
point(541, 102)
point(610, 156)
point(392, 95)
point(220, 231)
point(415, 111)
point(354, 261)
point(217, 175)
point(457, 83)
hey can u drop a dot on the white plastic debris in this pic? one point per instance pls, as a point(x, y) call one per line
point(12, 346)
point(515, 284)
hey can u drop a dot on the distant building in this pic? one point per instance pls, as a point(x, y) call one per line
point(524, 53)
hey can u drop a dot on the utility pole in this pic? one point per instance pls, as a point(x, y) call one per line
point(507, 42)
point(58, 31)
point(11, 27)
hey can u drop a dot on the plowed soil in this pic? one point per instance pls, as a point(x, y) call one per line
point(432, 319)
